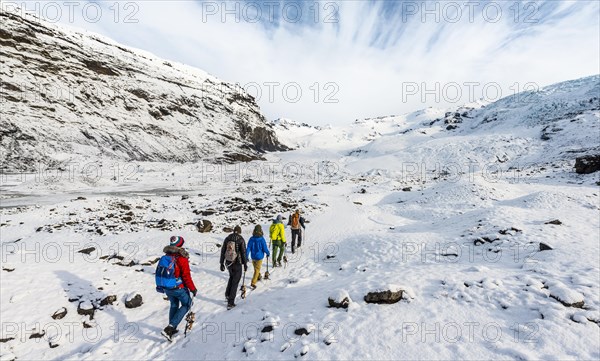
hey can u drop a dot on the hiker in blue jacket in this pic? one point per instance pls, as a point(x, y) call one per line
point(257, 247)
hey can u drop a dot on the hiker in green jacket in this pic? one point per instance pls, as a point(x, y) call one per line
point(277, 233)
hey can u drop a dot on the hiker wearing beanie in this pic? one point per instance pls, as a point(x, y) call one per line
point(173, 277)
point(296, 223)
point(277, 234)
point(257, 247)
point(233, 257)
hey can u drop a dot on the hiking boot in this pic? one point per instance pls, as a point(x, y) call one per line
point(230, 306)
point(168, 332)
point(253, 287)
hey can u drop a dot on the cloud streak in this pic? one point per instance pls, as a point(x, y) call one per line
point(357, 58)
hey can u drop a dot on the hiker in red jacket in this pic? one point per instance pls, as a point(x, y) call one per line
point(181, 293)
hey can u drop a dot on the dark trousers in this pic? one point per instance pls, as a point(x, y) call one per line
point(235, 274)
point(296, 233)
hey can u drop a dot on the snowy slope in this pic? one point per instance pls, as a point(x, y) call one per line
point(465, 235)
point(70, 97)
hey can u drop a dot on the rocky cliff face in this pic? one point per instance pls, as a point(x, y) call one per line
point(68, 97)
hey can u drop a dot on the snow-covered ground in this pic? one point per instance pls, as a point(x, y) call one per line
point(453, 217)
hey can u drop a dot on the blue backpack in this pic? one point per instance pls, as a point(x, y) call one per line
point(165, 274)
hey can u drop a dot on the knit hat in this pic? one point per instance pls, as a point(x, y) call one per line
point(237, 229)
point(258, 232)
point(279, 218)
point(177, 241)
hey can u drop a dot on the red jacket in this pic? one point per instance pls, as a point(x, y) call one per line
point(182, 266)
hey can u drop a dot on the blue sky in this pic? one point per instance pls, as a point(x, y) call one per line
point(355, 59)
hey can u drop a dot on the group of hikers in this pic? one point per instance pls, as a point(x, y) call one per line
point(173, 275)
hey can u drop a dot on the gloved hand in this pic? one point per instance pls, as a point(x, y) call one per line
point(222, 267)
point(194, 292)
point(245, 267)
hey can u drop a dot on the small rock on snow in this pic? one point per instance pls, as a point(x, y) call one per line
point(555, 222)
point(134, 302)
point(60, 314)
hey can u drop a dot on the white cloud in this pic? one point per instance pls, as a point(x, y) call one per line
point(368, 74)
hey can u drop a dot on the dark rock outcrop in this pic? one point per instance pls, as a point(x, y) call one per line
point(587, 164)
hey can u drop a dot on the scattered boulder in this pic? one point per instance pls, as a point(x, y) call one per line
point(268, 328)
point(108, 300)
point(87, 250)
point(301, 331)
point(184, 197)
point(151, 262)
point(339, 299)
point(389, 296)
point(565, 295)
point(3, 340)
point(208, 212)
point(578, 304)
point(85, 308)
point(89, 324)
point(249, 347)
point(587, 164)
point(38, 334)
point(60, 314)
point(134, 302)
point(8, 269)
point(507, 231)
point(363, 191)
point(204, 226)
point(302, 351)
point(545, 247)
point(227, 229)
point(306, 330)
point(406, 189)
point(478, 242)
point(555, 222)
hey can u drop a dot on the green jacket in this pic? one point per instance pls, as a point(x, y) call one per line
point(277, 232)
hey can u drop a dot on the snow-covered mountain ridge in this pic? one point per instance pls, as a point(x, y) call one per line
point(69, 96)
point(550, 127)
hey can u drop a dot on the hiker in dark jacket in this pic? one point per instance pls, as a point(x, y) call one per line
point(181, 294)
point(296, 221)
point(257, 247)
point(233, 257)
